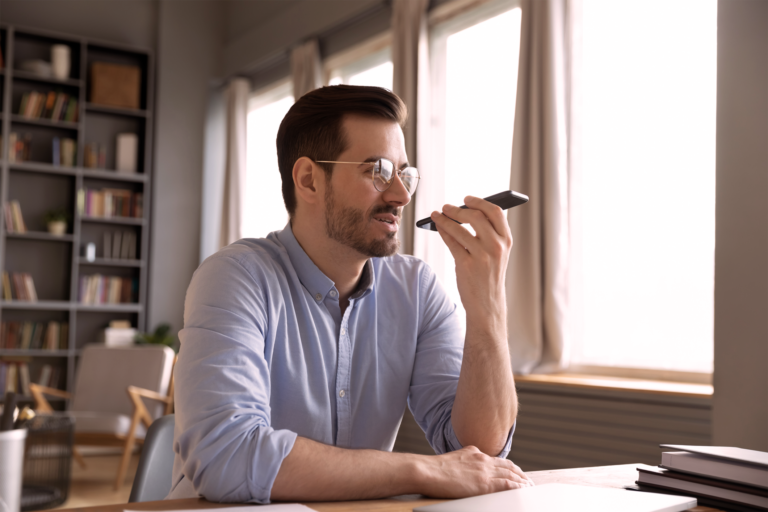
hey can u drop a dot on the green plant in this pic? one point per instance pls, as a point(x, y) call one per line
point(161, 336)
point(57, 216)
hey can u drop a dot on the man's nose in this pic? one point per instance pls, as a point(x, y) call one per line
point(397, 193)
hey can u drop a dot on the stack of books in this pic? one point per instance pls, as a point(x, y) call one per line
point(98, 289)
point(19, 286)
point(718, 476)
point(55, 106)
point(120, 245)
point(34, 335)
point(19, 147)
point(14, 221)
point(110, 202)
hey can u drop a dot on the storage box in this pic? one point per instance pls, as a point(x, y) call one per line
point(115, 85)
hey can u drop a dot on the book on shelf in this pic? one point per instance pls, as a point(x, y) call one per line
point(54, 106)
point(110, 202)
point(95, 155)
point(14, 221)
point(119, 245)
point(19, 286)
point(15, 375)
point(99, 289)
point(64, 151)
point(33, 335)
point(720, 474)
point(49, 376)
point(19, 147)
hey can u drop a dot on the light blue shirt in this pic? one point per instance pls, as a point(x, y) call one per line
point(266, 355)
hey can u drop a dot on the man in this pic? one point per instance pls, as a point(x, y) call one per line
point(299, 351)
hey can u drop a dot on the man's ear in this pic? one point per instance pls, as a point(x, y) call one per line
point(306, 176)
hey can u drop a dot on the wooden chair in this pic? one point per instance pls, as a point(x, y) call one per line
point(107, 405)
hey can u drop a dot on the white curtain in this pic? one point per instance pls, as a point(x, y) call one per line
point(236, 97)
point(410, 60)
point(544, 165)
point(306, 69)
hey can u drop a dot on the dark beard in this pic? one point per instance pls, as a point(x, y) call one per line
point(348, 227)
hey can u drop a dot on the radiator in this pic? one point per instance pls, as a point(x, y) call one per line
point(567, 427)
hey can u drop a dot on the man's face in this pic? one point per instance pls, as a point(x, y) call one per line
point(356, 214)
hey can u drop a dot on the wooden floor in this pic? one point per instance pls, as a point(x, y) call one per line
point(94, 484)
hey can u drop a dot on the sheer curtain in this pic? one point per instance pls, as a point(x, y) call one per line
point(306, 71)
point(235, 165)
point(544, 165)
point(410, 81)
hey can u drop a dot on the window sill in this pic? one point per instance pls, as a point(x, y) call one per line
point(599, 382)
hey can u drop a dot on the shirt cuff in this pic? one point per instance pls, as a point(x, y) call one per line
point(271, 448)
point(452, 442)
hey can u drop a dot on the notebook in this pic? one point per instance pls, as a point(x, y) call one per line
point(573, 498)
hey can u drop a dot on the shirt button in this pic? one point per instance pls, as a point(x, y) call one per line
point(342, 393)
point(318, 296)
point(333, 293)
point(343, 331)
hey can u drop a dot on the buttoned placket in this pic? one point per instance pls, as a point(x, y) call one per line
point(343, 392)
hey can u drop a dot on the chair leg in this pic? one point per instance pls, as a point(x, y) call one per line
point(127, 451)
point(79, 457)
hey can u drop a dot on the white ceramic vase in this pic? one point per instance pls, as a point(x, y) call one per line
point(60, 61)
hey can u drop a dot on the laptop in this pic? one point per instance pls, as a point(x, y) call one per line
point(565, 497)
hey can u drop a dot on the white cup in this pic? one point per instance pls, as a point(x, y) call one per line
point(60, 61)
point(11, 464)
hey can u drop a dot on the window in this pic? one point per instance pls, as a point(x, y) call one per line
point(473, 109)
point(263, 192)
point(648, 184)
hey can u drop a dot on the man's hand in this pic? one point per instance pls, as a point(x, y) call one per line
point(486, 403)
point(469, 472)
point(481, 260)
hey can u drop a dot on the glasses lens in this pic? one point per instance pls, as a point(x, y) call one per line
point(410, 178)
point(382, 174)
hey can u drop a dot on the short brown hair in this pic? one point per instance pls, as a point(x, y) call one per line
point(313, 126)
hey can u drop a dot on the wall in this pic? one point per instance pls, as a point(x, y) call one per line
point(131, 22)
point(740, 406)
point(273, 30)
point(188, 50)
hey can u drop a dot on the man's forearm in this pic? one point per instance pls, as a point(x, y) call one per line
point(317, 472)
point(486, 402)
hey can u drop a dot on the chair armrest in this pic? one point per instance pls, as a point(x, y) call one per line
point(140, 410)
point(39, 392)
point(146, 393)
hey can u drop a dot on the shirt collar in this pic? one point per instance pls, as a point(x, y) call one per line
point(313, 279)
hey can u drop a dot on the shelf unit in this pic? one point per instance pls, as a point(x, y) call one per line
point(56, 263)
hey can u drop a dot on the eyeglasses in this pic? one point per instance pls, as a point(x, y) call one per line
point(383, 174)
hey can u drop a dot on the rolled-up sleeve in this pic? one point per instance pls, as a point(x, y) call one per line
point(228, 449)
point(437, 366)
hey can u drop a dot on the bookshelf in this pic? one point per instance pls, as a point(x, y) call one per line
point(57, 263)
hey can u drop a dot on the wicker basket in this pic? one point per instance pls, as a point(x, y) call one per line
point(47, 462)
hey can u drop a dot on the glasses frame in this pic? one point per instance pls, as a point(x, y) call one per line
point(397, 172)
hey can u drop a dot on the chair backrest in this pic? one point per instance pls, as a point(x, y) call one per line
point(154, 474)
point(104, 374)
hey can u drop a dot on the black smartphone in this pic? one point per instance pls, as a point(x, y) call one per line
point(506, 199)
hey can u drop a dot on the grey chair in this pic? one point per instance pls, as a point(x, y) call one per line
point(153, 476)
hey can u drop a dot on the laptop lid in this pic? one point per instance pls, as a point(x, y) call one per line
point(573, 498)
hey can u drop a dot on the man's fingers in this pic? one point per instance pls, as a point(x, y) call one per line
point(475, 218)
point(494, 213)
point(458, 234)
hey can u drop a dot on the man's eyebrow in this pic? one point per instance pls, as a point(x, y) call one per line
point(372, 159)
